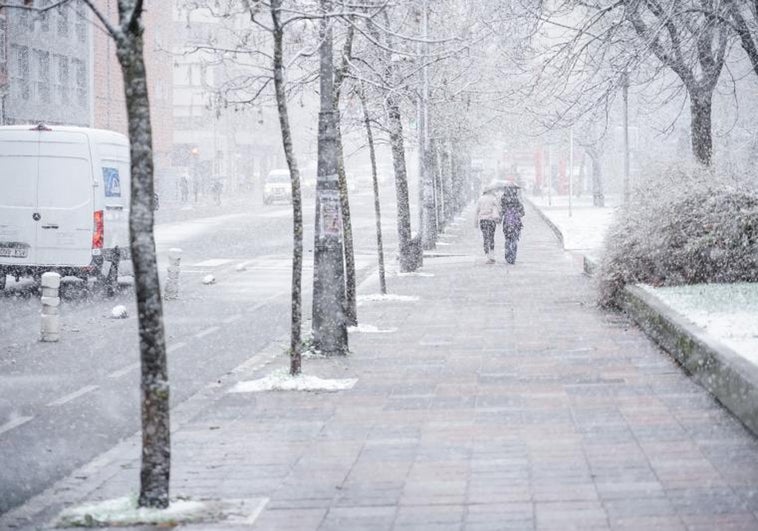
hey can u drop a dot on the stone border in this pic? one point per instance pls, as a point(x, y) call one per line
point(719, 369)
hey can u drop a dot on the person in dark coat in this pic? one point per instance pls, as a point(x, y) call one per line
point(512, 211)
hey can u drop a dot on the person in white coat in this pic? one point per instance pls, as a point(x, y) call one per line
point(487, 218)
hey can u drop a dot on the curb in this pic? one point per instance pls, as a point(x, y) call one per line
point(716, 367)
point(589, 266)
point(541, 214)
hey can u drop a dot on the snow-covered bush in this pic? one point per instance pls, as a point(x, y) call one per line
point(687, 226)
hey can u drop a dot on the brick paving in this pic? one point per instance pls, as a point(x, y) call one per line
point(504, 400)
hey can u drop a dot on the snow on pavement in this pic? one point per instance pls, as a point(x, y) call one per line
point(585, 229)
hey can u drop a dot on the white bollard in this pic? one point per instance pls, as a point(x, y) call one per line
point(174, 268)
point(51, 283)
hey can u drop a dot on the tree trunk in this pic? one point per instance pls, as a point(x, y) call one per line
point(401, 186)
point(297, 202)
point(351, 304)
point(700, 115)
point(156, 428)
point(377, 203)
point(598, 195)
point(447, 183)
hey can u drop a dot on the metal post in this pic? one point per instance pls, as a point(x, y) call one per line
point(174, 268)
point(51, 283)
point(550, 174)
point(625, 86)
point(571, 169)
point(329, 319)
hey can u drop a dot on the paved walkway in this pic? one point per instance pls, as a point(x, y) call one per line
point(503, 400)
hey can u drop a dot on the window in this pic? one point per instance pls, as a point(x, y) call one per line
point(26, 19)
point(43, 75)
point(80, 71)
point(81, 22)
point(63, 20)
point(45, 17)
point(22, 71)
point(3, 58)
point(63, 79)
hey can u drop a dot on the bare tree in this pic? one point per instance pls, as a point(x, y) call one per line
point(297, 205)
point(375, 182)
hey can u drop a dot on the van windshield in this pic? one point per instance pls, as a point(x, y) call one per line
point(278, 178)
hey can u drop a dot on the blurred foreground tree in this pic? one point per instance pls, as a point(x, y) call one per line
point(127, 34)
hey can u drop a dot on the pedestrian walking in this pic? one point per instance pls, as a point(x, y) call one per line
point(512, 210)
point(184, 188)
point(487, 217)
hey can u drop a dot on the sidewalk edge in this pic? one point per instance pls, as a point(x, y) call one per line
point(731, 379)
point(546, 219)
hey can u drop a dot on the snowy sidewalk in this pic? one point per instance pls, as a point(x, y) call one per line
point(497, 397)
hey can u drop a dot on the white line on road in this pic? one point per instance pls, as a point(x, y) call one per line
point(175, 347)
point(126, 370)
point(73, 396)
point(232, 319)
point(207, 332)
point(215, 262)
point(15, 423)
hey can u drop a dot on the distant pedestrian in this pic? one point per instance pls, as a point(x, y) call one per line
point(512, 210)
point(184, 188)
point(487, 218)
point(217, 186)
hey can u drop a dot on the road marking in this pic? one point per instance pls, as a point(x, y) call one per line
point(72, 396)
point(175, 347)
point(207, 332)
point(215, 262)
point(121, 372)
point(266, 301)
point(15, 423)
point(232, 319)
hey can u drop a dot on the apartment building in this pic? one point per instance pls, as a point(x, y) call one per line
point(45, 62)
point(108, 87)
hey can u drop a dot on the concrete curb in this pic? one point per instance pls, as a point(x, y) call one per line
point(720, 370)
point(548, 222)
point(589, 265)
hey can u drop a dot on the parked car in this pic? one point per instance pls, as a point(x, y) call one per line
point(277, 187)
point(64, 202)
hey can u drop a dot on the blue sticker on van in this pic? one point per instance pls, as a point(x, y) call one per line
point(112, 182)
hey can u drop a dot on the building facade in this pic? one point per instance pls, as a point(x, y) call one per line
point(109, 101)
point(45, 65)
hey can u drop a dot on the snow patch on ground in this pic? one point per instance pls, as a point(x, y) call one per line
point(281, 380)
point(422, 274)
point(727, 312)
point(389, 297)
point(119, 312)
point(370, 329)
point(124, 511)
point(585, 229)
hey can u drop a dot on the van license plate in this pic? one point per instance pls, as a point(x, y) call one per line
point(13, 252)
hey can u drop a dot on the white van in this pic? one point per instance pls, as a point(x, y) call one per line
point(64, 202)
point(277, 187)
